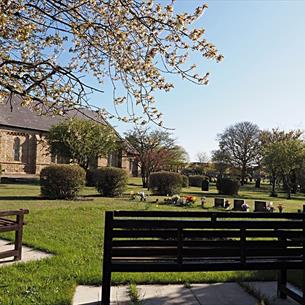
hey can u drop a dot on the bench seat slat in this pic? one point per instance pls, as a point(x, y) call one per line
point(158, 233)
point(8, 228)
point(201, 243)
point(205, 224)
point(189, 214)
point(200, 252)
point(8, 253)
point(207, 266)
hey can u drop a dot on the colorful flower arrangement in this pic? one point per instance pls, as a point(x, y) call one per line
point(190, 199)
point(181, 201)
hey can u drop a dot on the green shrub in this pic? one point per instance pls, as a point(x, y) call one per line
point(62, 181)
point(165, 183)
point(111, 181)
point(228, 186)
point(185, 181)
point(196, 180)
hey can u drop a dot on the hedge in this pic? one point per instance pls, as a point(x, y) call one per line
point(62, 181)
point(196, 180)
point(111, 181)
point(165, 183)
point(228, 186)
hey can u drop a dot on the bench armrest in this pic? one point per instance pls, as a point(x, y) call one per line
point(13, 213)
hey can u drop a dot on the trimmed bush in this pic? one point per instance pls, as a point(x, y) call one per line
point(111, 181)
point(165, 183)
point(62, 181)
point(228, 186)
point(196, 180)
point(185, 181)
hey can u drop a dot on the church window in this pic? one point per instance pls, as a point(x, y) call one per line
point(16, 149)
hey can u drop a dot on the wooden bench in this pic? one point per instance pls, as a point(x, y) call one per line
point(8, 224)
point(152, 241)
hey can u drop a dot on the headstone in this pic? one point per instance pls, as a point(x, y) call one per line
point(258, 183)
point(219, 202)
point(237, 204)
point(260, 206)
point(205, 185)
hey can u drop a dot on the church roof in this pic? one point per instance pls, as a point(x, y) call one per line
point(14, 115)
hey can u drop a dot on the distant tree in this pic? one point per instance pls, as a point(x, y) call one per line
point(156, 149)
point(283, 155)
point(241, 142)
point(202, 157)
point(221, 161)
point(81, 141)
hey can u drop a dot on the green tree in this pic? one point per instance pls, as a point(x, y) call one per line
point(156, 149)
point(221, 161)
point(81, 141)
point(241, 143)
point(283, 158)
point(271, 155)
point(51, 50)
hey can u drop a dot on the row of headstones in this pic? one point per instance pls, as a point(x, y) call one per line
point(259, 206)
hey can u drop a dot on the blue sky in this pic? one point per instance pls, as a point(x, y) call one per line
point(261, 79)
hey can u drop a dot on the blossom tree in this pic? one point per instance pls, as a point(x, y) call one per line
point(51, 50)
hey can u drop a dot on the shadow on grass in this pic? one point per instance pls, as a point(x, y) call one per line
point(21, 198)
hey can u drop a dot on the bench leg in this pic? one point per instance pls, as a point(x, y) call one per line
point(106, 285)
point(18, 238)
point(282, 281)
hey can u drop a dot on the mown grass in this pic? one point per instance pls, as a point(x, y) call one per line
point(73, 232)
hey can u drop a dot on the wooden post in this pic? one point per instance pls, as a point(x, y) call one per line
point(243, 245)
point(106, 282)
point(179, 246)
point(18, 237)
point(282, 281)
point(282, 275)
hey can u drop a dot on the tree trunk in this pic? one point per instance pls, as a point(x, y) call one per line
point(147, 182)
point(143, 176)
point(273, 181)
point(288, 187)
point(243, 175)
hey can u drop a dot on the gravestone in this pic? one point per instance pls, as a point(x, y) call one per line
point(237, 204)
point(219, 202)
point(260, 206)
point(205, 185)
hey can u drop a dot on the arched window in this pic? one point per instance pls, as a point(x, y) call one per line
point(16, 149)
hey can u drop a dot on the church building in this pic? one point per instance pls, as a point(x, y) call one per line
point(23, 149)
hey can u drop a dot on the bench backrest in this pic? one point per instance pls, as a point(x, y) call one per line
point(231, 240)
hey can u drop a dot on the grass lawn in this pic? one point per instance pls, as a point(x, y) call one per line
point(73, 232)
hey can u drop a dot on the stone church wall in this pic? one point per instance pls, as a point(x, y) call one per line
point(25, 151)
